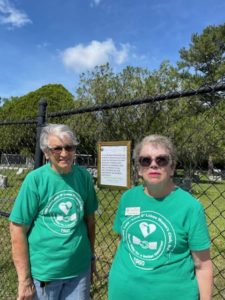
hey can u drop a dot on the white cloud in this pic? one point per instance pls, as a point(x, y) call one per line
point(95, 2)
point(80, 57)
point(11, 16)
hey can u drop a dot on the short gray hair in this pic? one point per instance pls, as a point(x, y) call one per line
point(156, 139)
point(59, 130)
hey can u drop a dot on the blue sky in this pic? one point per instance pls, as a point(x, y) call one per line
point(54, 41)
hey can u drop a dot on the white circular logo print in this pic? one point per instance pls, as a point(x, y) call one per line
point(63, 212)
point(150, 239)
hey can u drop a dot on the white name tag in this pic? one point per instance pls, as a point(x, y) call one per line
point(132, 211)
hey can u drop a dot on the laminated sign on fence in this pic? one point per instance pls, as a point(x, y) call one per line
point(114, 164)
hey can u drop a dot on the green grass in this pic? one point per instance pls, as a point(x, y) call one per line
point(211, 195)
point(8, 278)
point(7, 272)
point(8, 194)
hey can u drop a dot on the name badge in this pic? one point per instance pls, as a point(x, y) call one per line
point(132, 211)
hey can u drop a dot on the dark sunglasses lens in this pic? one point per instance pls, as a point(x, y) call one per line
point(69, 148)
point(57, 149)
point(162, 161)
point(145, 161)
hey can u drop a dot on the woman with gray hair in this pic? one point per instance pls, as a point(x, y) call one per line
point(53, 224)
point(163, 252)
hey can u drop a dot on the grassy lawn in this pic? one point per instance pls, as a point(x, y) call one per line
point(7, 272)
point(211, 194)
point(213, 199)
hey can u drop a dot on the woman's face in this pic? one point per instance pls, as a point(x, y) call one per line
point(61, 158)
point(156, 168)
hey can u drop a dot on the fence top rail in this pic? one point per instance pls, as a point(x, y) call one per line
point(167, 96)
point(18, 122)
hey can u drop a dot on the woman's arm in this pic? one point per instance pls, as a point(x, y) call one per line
point(204, 273)
point(20, 255)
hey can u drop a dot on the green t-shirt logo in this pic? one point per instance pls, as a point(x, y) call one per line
point(150, 239)
point(63, 212)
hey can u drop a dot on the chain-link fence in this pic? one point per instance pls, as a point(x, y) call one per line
point(193, 119)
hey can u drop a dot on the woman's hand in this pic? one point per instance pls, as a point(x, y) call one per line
point(94, 269)
point(26, 290)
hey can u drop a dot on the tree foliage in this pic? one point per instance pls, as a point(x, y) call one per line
point(206, 56)
point(21, 139)
point(204, 64)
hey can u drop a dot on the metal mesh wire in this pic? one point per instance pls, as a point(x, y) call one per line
point(194, 120)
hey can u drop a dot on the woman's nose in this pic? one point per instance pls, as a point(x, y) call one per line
point(64, 152)
point(153, 164)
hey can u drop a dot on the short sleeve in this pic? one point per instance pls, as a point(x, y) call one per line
point(26, 204)
point(91, 204)
point(199, 235)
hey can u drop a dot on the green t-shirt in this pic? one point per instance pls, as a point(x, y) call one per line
point(55, 205)
point(153, 260)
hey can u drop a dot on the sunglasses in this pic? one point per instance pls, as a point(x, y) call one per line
point(161, 160)
point(59, 149)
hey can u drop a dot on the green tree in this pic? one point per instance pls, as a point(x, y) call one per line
point(21, 138)
point(201, 65)
point(205, 58)
point(103, 87)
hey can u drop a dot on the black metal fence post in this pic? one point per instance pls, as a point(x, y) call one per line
point(38, 160)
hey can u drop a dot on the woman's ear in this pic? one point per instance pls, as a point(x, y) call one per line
point(46, 155)
point(173, 167)
point(139, 170)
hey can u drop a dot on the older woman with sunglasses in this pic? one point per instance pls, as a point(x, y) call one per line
point(53, 224)
point(163, 252)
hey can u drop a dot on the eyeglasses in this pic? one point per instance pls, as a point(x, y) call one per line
point(59, 149)
point(161, 160)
